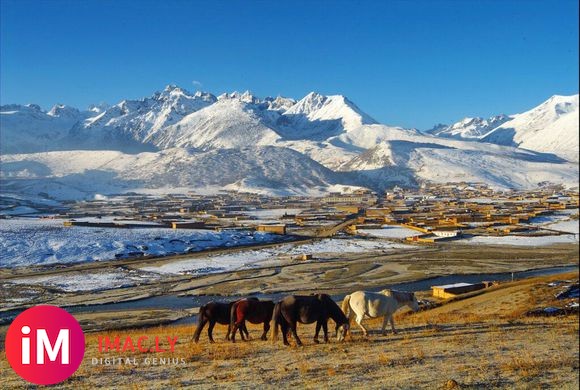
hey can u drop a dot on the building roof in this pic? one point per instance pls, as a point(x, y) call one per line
point(446, 286)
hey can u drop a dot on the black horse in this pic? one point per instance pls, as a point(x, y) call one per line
point(307, 309)
point(216, 312)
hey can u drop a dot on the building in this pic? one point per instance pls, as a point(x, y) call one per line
point(451, 290)
point(276, 229)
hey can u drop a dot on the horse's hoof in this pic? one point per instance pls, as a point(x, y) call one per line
point(316, 341)
point(287, 344)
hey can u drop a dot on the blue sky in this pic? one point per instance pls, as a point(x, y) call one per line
point(408, 63)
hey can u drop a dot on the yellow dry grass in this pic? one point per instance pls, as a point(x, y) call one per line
point(483, 341)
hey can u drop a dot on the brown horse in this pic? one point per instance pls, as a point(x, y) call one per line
point(307, 309)
point(216, 312)
point(252, 310)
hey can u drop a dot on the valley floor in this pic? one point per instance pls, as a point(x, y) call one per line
point(333, 272)
point(482, 341)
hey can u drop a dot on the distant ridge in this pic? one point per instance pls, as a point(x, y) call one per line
point(323, 141)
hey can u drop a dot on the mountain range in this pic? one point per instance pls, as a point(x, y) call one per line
point(199, 141)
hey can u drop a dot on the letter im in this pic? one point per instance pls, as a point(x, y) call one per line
point(43, 345)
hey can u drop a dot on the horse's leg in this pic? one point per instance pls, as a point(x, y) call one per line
point(325, 330)
point(284, 328)
point(359, 319)
point(247, 334)
point(351, 315)
point(293, 329)
point(266, 329)
point(384, 327)
point(244, 329)
point(229, 332)
point(318, 325)
point(210, 330)
point(392, 324)
point(234, 330)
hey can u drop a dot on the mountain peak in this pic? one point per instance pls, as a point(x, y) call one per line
point(174, 88)
point(62, 110)
point(469, 127)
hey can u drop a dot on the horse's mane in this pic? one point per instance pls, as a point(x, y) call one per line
point(333, 309)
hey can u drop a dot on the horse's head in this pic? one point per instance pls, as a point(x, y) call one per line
point(341, 331)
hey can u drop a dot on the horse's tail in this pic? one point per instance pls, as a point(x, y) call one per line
point(346, 306)
point(201, 320)
point(276, 318)
point(233, 316)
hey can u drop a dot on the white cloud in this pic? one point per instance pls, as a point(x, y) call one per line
point(197, 84)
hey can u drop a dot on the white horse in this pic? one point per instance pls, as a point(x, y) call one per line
point(366, 304)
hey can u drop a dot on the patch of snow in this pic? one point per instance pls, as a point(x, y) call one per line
point(389, 231)
point(522, 241)
point(28, 242)
point(245, 259)
point(89, 281)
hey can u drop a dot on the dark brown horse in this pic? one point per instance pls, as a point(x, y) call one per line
point(307, 309)
point(252, 310)
point(216, 312)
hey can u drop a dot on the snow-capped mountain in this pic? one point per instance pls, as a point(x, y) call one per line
point(279, 170)
point(175, 138)
point(228, 123)
point(551, 127)
point(132, 123)
point(27, 128)
point(318, 117)
point(469, 128)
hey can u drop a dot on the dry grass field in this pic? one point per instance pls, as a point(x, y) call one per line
point(482, 341)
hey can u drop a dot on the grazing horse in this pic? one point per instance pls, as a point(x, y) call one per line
point(213, 312)
point(252, 310)
point(372, 305)
point(307, 309)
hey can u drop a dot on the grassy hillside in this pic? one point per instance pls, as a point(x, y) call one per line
point(483, 340)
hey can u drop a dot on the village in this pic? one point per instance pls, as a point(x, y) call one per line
point(431, 214)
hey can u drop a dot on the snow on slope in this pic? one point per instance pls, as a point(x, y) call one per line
point(130, 124)
point(551, 127)
point(368, 136)
point(239, 141)
point(317, 117)
point(78, 174)
point(469, 128)
point(29, 129)
point(228, 123)
point(497, 170)
point(408, 160)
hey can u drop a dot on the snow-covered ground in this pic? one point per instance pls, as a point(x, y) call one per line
point(523, 241)
point(90, 281)
point(30, 241)
point(265, 256)
point(570, 226)
point(390, 232)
